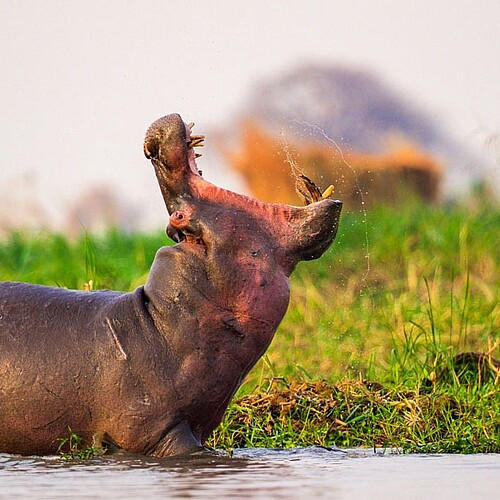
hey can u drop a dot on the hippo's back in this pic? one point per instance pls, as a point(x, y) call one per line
point(50, 340)
point(32, 316)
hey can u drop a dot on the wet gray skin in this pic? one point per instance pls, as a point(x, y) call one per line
point(153, 371)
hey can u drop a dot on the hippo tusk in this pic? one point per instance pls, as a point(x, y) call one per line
point(327, 192)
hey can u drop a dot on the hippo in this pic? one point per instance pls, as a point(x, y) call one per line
point(152, 371)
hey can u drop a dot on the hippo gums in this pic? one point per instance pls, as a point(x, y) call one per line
point(153, 371)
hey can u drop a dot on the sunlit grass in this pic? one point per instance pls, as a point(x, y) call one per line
point(352, 414)
point(426, 286)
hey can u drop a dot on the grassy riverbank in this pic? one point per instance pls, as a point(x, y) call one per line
point(369, 353)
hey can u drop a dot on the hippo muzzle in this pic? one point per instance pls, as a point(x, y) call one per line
point(153, 371)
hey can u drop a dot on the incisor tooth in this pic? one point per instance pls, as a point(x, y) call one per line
point(191, 125)
point(198, 142)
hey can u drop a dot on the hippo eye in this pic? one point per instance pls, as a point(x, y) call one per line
point(254, 253)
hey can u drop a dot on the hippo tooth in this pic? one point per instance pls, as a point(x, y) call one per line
point(191, 125)
point(198, 142)
point(327, 192)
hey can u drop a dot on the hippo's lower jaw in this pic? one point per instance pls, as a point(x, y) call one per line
point(154, 370)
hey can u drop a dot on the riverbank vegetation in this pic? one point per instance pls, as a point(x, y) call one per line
point(391, 339)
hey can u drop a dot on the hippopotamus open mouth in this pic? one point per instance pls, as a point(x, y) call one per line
point(300, 233)
point(153, 371)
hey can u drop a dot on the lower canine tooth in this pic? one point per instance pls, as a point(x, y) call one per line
point(327, 193)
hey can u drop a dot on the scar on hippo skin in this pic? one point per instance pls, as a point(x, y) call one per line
point(153, 371)
point(115, 338)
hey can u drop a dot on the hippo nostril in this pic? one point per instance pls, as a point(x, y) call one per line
point(179, 215)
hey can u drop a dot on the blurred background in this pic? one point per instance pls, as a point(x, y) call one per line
point(385, 100)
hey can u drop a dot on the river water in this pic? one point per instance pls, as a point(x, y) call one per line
point(255, 473)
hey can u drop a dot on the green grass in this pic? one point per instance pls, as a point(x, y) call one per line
point(352, 414)
point(424, 289)
point(397, 298)
point(114, 261)
point(73, 447)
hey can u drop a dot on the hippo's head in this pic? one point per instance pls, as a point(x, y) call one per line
point(214, 219)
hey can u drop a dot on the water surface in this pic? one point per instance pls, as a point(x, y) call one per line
point(255, 473)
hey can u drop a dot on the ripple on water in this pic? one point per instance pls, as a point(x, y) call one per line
point(253, 473)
